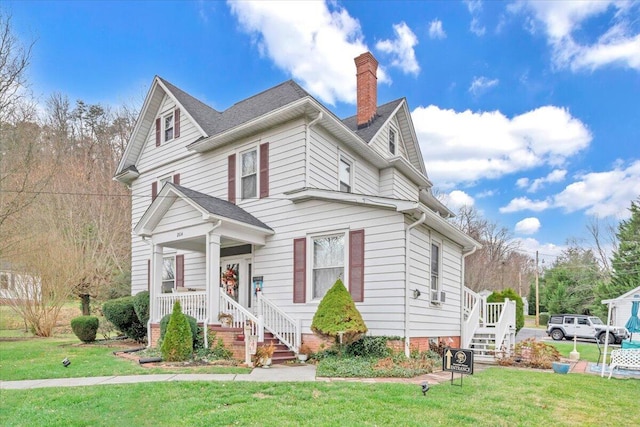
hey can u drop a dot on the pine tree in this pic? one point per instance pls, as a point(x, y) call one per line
point(337, 314)
point(177, 345)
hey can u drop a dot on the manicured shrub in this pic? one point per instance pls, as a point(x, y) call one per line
point(193, 324)
point(369, 347)
point(513, 296)
point(177, 344)
point(141, 306)
point(121, 313)
point(338, 313)
point(85, 327)
point(544, 319)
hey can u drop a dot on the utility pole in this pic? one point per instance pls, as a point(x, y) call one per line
point(537, 294)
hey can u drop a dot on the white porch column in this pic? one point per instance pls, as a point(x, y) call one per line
point(213, 276)
point(155, 280)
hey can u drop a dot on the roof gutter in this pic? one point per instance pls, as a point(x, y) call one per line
point(307, 148)
point(407, 283)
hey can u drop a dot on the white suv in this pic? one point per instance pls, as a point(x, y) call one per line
point(589, 327)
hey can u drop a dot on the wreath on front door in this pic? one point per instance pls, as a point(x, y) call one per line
point(229, 281)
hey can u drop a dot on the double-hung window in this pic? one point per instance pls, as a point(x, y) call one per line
point(249, 174)
point(328, 262)
point(346, 175)
point(168, 274)
point(168, 127)
point(435, 273)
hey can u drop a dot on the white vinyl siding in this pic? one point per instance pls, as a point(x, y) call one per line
point(394, 184)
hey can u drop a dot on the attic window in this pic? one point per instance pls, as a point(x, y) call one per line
point(392, 141)
point(249, 174)
point(345, 175)
point(168, 127)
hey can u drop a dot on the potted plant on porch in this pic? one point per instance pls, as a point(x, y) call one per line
point(226, 319)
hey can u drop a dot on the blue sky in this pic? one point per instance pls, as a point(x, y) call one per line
point(527, 110)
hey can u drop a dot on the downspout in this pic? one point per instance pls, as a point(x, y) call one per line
point(462, 269)
point(407, 283)
point(307, 148)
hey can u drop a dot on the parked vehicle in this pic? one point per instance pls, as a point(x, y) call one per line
point(587, 327)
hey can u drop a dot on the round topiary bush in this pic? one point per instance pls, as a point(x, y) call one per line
point(121, 313)
point(337, 314)
point(85, 327)
point(177, 344)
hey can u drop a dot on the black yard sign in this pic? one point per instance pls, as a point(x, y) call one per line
point(457, 360)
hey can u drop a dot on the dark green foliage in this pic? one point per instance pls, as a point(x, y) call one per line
point(338, 313)
point(513, 296)
point(85, 328)
point(141, 306)
point(625, 262)
point(196, 330)
point(369, 347)
point(121, 313)
point(119, 287)
point(177, 345)
point(544, 319)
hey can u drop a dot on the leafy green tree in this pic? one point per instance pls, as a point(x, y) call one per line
point(625, 261)
point(177, 345)
point(500, 296)
point(337, 313)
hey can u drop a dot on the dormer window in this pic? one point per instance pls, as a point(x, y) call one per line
point(168, 127)
point(345, 175)
point(392, 141)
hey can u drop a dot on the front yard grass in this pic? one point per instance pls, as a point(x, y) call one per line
point(493, 397)
point(40, 358)
point(588, 351)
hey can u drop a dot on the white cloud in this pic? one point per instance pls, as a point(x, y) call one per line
point(456, 200)
point(312, 41)
point(618, 43)
point(475, 8)
point(603, 194)
point(529, 225)
point(524, 203)
point(556, 175)
point(463, 147)
point(401, 49)
point(547, 252)
point(435, 30)
point(477, 28)
point(482, 84)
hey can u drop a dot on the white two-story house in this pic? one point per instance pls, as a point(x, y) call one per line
point(256, 210)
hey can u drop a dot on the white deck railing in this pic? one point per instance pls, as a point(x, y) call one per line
point(471, 310)
point(492, 313)
point(279, 323)
point(241, 316)
point(505, 324)
point(192, 303)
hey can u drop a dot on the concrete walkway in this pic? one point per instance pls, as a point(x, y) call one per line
point(276, 373)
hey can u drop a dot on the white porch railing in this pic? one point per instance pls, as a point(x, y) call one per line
point(241, 316)
point(492, 313)
point(192, 303)
point(279, 323)
point(505, 325)
point(471, 309)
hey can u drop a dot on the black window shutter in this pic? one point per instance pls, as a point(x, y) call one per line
point(154, 190)
point(264, 170)
point(356, 265)
point(232, 179)
point(176, 179)
point(158, 132)
point(179, 271)
point(299, 270)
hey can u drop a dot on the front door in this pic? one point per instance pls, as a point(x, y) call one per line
point(235, 280)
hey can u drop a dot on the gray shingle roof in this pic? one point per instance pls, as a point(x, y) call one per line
point(214, 122)
point(220, 207)
point(383, 112)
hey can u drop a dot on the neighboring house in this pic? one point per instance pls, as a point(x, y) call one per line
point(258, 209)
point(16, 285)
point(621, 307)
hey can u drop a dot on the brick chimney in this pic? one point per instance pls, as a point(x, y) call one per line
point(367, 84)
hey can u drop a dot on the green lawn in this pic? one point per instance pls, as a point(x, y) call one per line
point(588, 351)
point(37, 358)
point(493, 397)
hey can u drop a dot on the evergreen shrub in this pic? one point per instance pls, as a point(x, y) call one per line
point(85, 328)
point(338, 313)
point(121, 313)
point(141, 306)
point(369, 347)
point(177, 345)
point(513, 296)
point(193, 325)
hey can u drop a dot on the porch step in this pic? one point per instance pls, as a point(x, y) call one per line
point(281, 354)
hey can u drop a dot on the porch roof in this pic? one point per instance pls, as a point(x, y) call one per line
point(211, 208)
